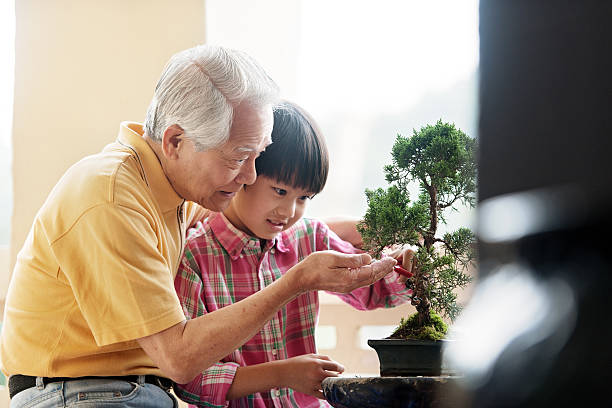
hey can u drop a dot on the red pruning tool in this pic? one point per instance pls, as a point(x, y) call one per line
point(402, 271)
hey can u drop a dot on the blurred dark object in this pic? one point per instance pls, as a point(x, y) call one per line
point(545, 95)
point(540, 317)
point(537, 330)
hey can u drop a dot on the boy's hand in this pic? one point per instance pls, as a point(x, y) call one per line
point(406, 258)
point(337, 272)
point(306, 372)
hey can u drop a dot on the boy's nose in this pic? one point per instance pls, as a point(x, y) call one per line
point(287, 209)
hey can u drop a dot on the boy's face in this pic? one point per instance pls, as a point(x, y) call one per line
point(267, 207)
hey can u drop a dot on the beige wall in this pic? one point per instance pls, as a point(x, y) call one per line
point(82, 66)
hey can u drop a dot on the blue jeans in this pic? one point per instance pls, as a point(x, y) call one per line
point(94, 393)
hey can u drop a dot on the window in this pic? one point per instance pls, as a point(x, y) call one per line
point(366, 71)
point(7, 50)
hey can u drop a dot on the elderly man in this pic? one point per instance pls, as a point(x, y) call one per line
point(91, 314)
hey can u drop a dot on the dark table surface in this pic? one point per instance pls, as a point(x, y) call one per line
point(413, 392)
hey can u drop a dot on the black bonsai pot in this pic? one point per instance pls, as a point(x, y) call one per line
point(399, 357)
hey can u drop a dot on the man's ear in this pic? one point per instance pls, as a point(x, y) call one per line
point(172, 141)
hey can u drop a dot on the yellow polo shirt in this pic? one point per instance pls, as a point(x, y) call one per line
point(97, 269)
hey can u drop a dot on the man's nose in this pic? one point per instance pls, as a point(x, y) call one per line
point(247, 174)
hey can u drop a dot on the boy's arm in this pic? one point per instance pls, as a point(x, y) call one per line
point(226, 381)
point(302, 373)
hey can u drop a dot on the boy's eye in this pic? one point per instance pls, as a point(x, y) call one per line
point(304, 198)
point(280, 191)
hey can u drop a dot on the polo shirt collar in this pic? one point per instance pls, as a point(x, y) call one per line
point(130, 135)
point(234, 241)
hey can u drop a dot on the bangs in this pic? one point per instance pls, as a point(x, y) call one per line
point(298, 155)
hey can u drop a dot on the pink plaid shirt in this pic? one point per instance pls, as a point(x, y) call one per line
point(222, 265)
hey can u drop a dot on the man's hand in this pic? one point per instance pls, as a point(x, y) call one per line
point(306, 372)
point(337, 272)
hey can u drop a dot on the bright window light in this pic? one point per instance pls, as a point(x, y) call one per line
point(366, 71)
point(7, 74)
point(326, 337)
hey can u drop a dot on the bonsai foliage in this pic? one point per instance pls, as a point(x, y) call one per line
point(442, 160)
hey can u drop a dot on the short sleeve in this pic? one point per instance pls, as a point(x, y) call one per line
point(113, 259)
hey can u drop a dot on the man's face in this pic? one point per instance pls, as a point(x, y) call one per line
point(267, 207)
point(212, 177)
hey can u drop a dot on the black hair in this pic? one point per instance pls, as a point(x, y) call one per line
point(298, 154)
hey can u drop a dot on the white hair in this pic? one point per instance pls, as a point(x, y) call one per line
point(199, 89)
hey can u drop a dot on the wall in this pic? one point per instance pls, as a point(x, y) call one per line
point(4, 270)
point(82, 66)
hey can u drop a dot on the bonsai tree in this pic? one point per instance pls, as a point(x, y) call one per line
point(441, 159)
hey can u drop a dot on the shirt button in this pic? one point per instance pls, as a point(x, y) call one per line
point(277, 393)
point(272, 251)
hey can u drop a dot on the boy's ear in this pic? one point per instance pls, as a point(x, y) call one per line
point(172, 141)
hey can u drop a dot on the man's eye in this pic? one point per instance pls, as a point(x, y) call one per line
point(240, 161)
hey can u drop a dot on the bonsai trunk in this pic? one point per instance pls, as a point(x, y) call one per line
point(420, 301)
point(423, 305)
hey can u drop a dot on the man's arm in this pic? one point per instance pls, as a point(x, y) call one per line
point(188, 348)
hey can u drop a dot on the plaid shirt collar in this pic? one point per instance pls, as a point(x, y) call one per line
point(234, 241)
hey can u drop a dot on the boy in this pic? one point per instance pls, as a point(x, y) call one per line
point(233, 254)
